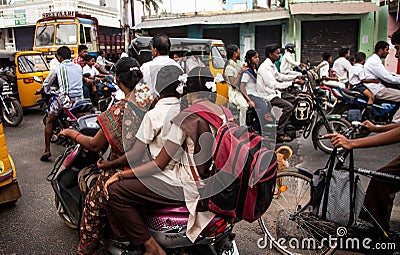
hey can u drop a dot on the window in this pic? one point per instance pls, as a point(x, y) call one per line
point(45, 35)
point(218, 55)
point(31, 64)
point(66, 34)
point(88, 33)
point(81, 35)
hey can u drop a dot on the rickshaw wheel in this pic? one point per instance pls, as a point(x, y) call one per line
point(63, 216)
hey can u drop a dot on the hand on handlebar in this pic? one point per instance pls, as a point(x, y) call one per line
point(368, 126)
point(298, 81)
point(339, 140)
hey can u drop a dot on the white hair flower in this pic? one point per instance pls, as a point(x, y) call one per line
point(211, 86)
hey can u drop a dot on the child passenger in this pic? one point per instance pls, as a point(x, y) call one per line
point(159, 185)
point(357, 80)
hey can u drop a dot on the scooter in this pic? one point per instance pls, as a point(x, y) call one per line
point(10, 107)
point(167, 225)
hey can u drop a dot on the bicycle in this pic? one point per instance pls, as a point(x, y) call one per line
point(291, 225)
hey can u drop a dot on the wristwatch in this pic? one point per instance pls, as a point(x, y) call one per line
point(119, 175)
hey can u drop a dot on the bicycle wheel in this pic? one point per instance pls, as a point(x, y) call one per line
point(295, 233)
point(321, 129)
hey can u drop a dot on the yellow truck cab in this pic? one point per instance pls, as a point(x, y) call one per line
point(23, 66)
point(9, 188)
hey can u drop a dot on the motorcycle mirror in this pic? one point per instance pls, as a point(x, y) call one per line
point(37, 79)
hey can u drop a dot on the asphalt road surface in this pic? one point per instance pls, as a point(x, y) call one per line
point(32, 225)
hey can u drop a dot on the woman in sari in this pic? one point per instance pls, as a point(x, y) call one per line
point(119, 125)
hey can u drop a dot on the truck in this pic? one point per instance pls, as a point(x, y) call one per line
point(70, 28)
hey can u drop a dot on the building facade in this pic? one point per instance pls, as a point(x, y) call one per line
point(18, 18)
point(315, 26)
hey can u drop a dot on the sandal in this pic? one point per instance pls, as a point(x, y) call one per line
point(45, 156)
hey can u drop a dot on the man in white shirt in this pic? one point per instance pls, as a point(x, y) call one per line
point(324, 75)
point(288, 62)
point(342, 66)
point(374, 69)
point(271, 81)
point(102, 61)
point(161, 46)
point(54, 63)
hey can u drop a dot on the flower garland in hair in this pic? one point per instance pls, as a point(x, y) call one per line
point(183, 79)
point(143, 95)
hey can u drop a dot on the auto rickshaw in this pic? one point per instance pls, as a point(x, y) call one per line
point(9, 188)
point(19, 67)
point(211, 52)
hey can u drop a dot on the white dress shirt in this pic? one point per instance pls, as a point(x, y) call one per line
point(374, 69)
point(288, 62)
point(150, 70)
point(270, 80)
point(342, 68)
point(357, 74)
point(102, 62)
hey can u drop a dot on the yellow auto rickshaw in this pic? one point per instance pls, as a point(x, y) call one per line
point(9, 188)
point(210, 51)
point(19, 67)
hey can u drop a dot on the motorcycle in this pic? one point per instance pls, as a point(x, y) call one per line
point(167, 225)
point(309, 117)
point(11, 109)
point(70, 111)
point(69, 115)
point(351, 105)
point(105, 90)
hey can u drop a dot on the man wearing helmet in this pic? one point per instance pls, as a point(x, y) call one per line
point(288, 62)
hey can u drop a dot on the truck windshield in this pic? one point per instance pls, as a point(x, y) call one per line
point(31, 64)
point(44, 35)
point(66, 34)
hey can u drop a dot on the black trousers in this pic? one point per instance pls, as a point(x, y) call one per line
point(286, 104)
point(380, 195)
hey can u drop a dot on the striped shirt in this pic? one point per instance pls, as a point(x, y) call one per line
point(69, 77)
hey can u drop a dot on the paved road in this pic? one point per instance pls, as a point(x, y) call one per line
point(32, 225)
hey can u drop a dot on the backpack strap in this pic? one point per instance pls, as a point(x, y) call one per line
point(191, 165)
point(210, 116)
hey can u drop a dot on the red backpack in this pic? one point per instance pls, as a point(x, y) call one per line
point(242, 181)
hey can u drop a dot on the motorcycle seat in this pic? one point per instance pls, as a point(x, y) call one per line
point(351, 93)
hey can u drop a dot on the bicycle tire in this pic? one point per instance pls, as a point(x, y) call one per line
point(276, 223)
point(321, 129)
